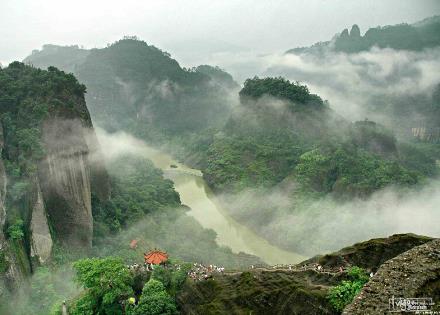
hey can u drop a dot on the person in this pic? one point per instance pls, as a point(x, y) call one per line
point(371, 274)
point(319, 267)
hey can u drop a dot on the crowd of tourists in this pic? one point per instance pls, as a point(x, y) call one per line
point(201, 272)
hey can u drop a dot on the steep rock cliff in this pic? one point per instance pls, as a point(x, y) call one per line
point(49, 164)
point(64, 175)
point(413, 274)
point(300, 289)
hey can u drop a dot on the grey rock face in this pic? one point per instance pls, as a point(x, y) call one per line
point(64, 176)
point(414, 273)
point(41, 240)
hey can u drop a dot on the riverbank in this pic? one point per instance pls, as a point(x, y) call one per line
point(206, 209)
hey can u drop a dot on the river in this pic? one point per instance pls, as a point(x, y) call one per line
point(209, 213)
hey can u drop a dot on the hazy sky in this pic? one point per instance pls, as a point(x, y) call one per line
point(192, 28)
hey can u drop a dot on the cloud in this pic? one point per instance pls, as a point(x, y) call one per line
point(350, 81)
point(115, 145)
point(325, 225)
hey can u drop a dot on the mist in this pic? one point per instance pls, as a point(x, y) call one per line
point(314, 227)
point(350, 81)
point(170, 229)
point(305, 225)
point(194, 31)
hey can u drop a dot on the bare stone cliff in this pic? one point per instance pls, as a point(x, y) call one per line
point(412, 274)
point(64, 175)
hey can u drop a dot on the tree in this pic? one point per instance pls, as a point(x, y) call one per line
point(154, 301)
point(107, 282)
point(280, 88)
point(16, 230)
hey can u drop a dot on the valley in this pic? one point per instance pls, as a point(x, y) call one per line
point(299, 175)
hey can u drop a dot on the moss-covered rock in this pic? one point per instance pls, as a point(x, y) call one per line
point(296, 291)
point(257, 292)
point(370, 254)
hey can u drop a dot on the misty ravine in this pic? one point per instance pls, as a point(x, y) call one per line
point(195, 193)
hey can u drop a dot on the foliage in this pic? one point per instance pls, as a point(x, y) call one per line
point(234, 163)
point(138, 188)
point(154, 301)
point(279, 88)
point(107, 282)
point(28, 96)
point(347, 170)
point(172, 279)
point(42, 291)
point(420, 157)
point(373, 138)
point(16, 230)
point(344, 293)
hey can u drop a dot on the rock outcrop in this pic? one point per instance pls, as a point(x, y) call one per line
point(297, 290)
point(370, 254)
point(41, 239)
point(259, 292)
point(65, 181)
point(51, 154)
point(413, 274)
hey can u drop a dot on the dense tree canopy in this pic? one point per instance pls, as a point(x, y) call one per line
point(279, 88)
point(107, 283)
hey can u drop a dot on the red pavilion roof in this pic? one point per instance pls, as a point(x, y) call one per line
point(155, 257)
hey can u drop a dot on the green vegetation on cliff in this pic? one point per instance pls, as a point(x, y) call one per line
point(107, 282)
point(269, 140)
point(28, 98)
point(343, 294)
point(138, 189)
point(111, 288)
point(279, 88)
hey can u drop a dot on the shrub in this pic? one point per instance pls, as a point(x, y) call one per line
point(154, 301)
point(16, 230)
point(343, 294)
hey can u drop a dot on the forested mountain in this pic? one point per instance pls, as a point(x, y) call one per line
point(47, 181)
point(137, 87)
point(417, 36)
point(282, 130)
